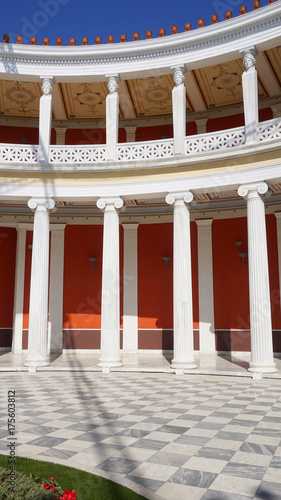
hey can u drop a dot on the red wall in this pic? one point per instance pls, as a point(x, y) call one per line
point(231, 277)
point(8, 242)
point(231, 287)
point(90, 136)
point(226, 122)
point(155, 282)
point(13, 135)
point(82, 285)
point(273, 271)
point(27, 276)
point(155, 133)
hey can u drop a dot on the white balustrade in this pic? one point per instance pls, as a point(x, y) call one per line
point(135, 151)
point(271, 129)
point(15, 153)
point(214, 141)
point(145, 150)
point(77, 154)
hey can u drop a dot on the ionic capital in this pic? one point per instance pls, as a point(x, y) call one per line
point(249, 60)
point(179, 77)
point(110, 204)
point(254, 190)
point(47, 85)
point(112, 85)
point(41, 204)
point(178, 199)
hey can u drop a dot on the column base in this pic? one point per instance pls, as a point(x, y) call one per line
point(262, 368)
point(36, 363)
point(104, 363)
point(185, 365)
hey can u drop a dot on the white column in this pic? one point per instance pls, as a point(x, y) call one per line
point(45, 119)
point(179, 110)
point(131, 134)
point(260, 310)
point(130, 288)
point(56, 288)
point(112, 118)
point(276, 110)
point(278, 217)
point(19, 287)
point(206, 286)
point(183, 314)
point(38, 305)
point(250, 94)
point(110, 306)
point(60, 135)
point(201, 125)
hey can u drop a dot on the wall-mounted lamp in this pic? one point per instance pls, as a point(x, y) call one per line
point(93, 260)
point(243, 256)
point(166, 259)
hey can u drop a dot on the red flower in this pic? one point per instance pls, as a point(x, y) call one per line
point(52, 478)
point(69, 495)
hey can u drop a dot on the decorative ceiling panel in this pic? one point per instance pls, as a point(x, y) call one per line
point(19, 98)
point(84, 100)
point(153, 96)
point(221, 85)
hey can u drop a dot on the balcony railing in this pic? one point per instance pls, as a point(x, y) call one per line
point(77, 154)
point(140, 151)
point(271, 129)
point(205, 143)
point(145, 150)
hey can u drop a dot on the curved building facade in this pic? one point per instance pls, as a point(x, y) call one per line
point(140, 195)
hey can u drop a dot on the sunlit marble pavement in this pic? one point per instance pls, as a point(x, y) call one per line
point(149, 362)
point(163, 435)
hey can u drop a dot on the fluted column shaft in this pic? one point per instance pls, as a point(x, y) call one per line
point(38, 306)
point(260, 309)
point(19, 287)
point(182, 289)
point(110, 306)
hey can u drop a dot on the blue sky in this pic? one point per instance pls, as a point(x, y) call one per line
point(73, 18)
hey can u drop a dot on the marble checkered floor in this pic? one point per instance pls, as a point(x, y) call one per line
point(165, 436)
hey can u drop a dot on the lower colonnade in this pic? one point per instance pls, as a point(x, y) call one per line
point(45, 333)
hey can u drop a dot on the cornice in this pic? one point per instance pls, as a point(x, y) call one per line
point(222, 41)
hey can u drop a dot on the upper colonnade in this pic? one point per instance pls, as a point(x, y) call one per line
point(220, 42)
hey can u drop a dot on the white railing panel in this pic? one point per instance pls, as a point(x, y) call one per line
point(77, 154)
point(149, 150)
point(271, 129)
point(140, 151)
point(15, 153)
point(214, 141)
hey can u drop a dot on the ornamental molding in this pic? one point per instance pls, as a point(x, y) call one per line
point(41, 204)
point(253, 190)
point(110, 203)
point(195, 47)
point(180, 198)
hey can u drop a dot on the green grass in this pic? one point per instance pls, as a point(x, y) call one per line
point(87, 486)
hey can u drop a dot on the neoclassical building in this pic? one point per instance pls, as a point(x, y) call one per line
point(140, 195)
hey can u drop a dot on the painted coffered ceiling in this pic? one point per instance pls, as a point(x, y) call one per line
point(212, 87)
